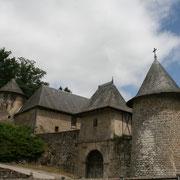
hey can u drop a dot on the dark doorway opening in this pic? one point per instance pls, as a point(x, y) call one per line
point(94, 165)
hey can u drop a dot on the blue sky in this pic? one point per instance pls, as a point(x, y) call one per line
point(84, 43)
point(171, 24)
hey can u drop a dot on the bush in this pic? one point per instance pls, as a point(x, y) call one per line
point(17, 143)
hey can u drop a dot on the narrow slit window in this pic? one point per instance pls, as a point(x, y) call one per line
point(5, 97)
point(95, 122)
point(56, 129)
point(73, 121)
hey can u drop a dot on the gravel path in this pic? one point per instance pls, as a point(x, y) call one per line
point(36, 173)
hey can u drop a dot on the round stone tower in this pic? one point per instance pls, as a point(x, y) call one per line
point(156, 126)
point(11, 100)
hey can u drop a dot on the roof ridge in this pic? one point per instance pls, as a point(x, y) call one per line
point(65, 92)
point(55, 100)
point(106, 84)
point(40, 97)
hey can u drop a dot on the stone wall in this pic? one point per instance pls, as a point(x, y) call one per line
point(47, 120)
point(110, 123)
point(64, 148)
point(10, 174)
point(116, 156)
point(26, 118)
point(9, 105)
point(156, 136)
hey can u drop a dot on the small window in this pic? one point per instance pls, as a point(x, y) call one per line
point(9, 117)
point(73, 121)
point(95, 122)
point(13, 98)
point(5, 97)
point(56, 129)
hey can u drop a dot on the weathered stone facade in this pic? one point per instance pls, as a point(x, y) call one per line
point(43, 120)
point(27, 118)
point(111, 123)
point(116, 157)
point(10, 103)
point(108, 139)
point(47, 121)
point(68, 154)
point(64, 148)
point(156, 135)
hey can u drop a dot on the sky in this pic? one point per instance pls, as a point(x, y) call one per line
point(84, 43)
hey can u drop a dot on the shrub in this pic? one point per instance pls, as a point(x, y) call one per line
point(17, 143)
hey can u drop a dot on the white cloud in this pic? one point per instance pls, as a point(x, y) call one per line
point(83, 43)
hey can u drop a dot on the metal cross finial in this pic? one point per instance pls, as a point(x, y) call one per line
point(112, 80)
point(155, 56)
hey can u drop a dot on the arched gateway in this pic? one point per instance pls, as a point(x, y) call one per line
point(94, 165)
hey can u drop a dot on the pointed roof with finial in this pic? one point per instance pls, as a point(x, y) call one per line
point(12, 86)
point(156, 81)
point(107, 95)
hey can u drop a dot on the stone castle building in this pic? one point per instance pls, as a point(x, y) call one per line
point(104, 136)
point(50, 110)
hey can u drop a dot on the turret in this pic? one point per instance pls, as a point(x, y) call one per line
point(105, 120)
point(11, 99)
point(156, 126)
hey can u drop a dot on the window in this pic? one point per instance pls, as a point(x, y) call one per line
point(95, 122)
point(5, 97)
point(13, 98)
point(73, 121)
point(56, 129)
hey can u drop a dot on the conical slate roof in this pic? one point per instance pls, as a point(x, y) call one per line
point(55, 99)
point(106, 95)
point(11, 86)
point(156, 81)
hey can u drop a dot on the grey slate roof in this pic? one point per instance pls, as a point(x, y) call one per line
point(56, 100)
point(156, 81)
point(12, 86)
point(107, 95)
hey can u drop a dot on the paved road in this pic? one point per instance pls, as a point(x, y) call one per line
point(36, 173)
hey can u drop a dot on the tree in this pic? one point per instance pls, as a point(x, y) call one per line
point(29, 77)
point(8, 67)
point(24, 71)
point(65, 89)
point(17, 144)
point(60, 88)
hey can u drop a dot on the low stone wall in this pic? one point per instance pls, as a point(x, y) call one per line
point(63, 151)
point(10, 174)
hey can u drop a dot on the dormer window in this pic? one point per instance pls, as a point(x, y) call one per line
point(95, 122)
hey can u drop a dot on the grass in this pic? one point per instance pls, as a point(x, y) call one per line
point(49, 169)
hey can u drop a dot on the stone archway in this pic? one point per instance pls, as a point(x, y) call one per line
point(94, 165)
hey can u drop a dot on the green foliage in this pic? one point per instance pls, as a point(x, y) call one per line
point(60, 88)
point(17, 143)
point(22, 70)
point(29, 77)
point(8, 67)
point(67, 90)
